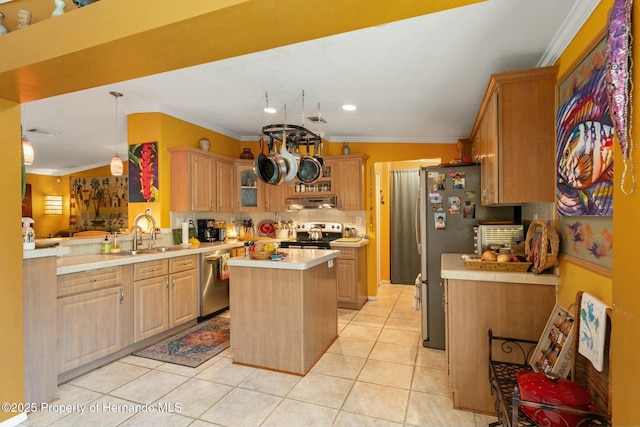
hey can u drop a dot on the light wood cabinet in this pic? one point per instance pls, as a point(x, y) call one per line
point(200, 181)
point(513, 138)
point(40, 332)
point(349, 181)
point(166, 294)
point(224, 185)
point(351, 267)
point(276, 197)
point(472, 307)
point(95, 310)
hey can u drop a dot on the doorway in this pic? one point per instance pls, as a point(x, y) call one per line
point(382, 219)
point(404, 258)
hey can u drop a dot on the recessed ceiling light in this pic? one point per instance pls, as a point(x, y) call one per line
point(349, 107)
point(270, 110)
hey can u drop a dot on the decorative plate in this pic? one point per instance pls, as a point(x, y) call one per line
point(266, 228)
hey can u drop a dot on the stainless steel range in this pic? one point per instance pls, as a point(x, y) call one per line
point(314, 235)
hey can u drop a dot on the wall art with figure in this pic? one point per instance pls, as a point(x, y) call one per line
point(143, 172)
point(99, 203)
point(584, 159)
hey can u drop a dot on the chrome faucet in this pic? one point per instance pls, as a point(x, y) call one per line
point(148, 216)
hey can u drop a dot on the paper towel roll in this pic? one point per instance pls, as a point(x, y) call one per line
point(185, 233)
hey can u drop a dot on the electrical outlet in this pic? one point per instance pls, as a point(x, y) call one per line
point(330, 263)
point(358, 221)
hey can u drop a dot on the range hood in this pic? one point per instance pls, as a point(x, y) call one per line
point(326, 202)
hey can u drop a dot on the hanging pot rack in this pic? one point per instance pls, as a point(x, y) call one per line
point(291, 133)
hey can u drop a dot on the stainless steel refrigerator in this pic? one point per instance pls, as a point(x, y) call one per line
point(448, 209)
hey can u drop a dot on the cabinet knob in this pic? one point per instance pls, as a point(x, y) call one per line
point(93, 279)
point(173, 283)
point(121, 295)
point(184, 262)
point(166, 284)
point(153, 269)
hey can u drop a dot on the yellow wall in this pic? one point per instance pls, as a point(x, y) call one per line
point(621, 291)
point(41, 185)
point(626, 270)
point(171, 132)
point(11, 332)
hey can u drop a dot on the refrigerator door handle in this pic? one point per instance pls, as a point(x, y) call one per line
point(416, 219)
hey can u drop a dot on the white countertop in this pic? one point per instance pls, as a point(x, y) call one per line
point(74, 264)
point(45, 252)
point(451, 267)
point(296, 259)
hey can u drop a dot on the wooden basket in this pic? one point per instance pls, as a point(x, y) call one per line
point(259, 255)
point(496, 266)
point(541, 246)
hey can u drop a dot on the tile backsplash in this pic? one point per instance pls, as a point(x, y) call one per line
point(538, 211)
point(350, 219)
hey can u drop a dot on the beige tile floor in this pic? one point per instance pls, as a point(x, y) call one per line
point(377, 373)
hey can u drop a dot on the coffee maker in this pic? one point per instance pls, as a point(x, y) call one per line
point(208, 232)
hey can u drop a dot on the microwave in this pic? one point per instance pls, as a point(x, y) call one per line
point(501, 238)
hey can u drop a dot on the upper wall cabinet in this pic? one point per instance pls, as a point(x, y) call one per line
point(200, 181)
point(349, 181)
point(513, 138)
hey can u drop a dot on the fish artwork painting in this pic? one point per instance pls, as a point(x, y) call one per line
point(584, 142)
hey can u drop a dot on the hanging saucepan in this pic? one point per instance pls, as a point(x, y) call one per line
point(279, 165)
point(291, 159)
point(266, 167)
point(257, 164)
point(310, 168)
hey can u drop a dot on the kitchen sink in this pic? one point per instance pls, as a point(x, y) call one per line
point(153, 250)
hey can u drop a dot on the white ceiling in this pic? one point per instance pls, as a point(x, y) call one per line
point(417, 80)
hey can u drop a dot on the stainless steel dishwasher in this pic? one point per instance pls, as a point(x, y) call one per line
point(214, 290)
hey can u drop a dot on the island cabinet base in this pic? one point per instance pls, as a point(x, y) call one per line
point(282, 319)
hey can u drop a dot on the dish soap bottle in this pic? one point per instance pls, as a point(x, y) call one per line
point(115, 246)
point(106, 246)
point(28, 235)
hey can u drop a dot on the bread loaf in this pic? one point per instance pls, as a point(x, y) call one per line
point(489, 256)
point(504, 258)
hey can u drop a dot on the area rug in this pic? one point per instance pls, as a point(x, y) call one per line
point(192, 347)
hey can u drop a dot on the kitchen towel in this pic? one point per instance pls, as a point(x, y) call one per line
point(416, 292)
point(224, 267)
point(593, 324)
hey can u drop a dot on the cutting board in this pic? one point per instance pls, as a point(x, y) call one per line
point(349, 239)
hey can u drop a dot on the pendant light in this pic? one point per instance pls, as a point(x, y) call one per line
point(27, 149)
point(117, 168)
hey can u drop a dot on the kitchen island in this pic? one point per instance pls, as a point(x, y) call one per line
point(285, 313)
point(512, 304)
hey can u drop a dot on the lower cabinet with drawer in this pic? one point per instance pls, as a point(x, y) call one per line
point(165, 294)
point(351, 267)
point(95, 313)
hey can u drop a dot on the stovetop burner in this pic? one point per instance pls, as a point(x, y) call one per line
point(330, 231)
